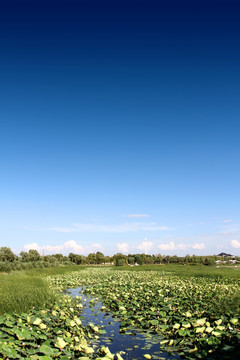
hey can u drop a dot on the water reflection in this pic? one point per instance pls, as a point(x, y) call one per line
point(132, 342)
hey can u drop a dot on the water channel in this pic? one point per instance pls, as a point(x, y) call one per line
point(134, 343)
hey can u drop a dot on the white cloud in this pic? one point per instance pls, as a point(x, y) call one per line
point(182, 247)
point(65, 248)
point(226, 221)
point(145, 246)
point(137, 216)
point(125, 227)
point(227, 233)
point(123, 247)
point(98, 246)
point(33, 246)
point(235, 244)
point(198, 246)
point(169, 246)
point(62, 230)
point(172, 246)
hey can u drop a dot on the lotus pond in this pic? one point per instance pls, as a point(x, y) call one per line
point(195, 318)
point(137, 344)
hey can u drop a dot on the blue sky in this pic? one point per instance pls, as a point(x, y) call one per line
point(120, 126)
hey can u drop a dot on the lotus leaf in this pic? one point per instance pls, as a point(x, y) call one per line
point(60, 343)
point(37, 321)
point(147, 356)
point(200, 329)
point(209, 329)
point(216, 333)
point(176, 326)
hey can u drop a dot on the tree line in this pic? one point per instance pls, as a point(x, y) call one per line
point(32, 259)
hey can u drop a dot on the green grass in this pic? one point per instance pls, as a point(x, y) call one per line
point(21, 292)
point(60, 270)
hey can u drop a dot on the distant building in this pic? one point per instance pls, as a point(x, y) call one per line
point(225, 255)
point(232, 261)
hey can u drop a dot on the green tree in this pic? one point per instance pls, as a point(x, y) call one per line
point(187, 259)
point(59, 257)
point(130, 260)
point(174, 259)
point(121, 262)
point(119, 257)
point(6, 254)
point(100, 258)
point(91, 258)
point(34, 255)
point(148, 259)
point(138, 258)
point(107, 259)
point(24, 256)
point(158, 259)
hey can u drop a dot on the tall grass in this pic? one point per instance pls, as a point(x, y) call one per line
point(60, 270)
point(20, 292)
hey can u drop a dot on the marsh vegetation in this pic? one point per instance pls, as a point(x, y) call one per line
point(195, 314)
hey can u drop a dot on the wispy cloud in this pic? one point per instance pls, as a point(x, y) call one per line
point(168, 246)
point(123, 248)
point(125, 227)
point(230, 226)
point(62, 230)
point(227, 233)
point(145, 246)
point(182, 247)
point(235, 244)
point(198, 246)
point(97, 246)
point(65, 248)
point(172, 246)
point(137, 216)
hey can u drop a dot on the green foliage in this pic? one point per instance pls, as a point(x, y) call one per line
point(100, 258)
point(34, 255)
point(77, 259)
point(120, 259)
point(6, 254)
point(20, 292)
point(121, 262)
point(130, 260)
point(186, 311)
point(24, 256)
point(32, 259)
point(197, 316)
point(55, 332)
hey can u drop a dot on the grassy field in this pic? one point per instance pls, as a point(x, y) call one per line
point(22, 290)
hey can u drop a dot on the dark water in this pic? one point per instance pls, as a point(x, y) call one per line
point(132, 342)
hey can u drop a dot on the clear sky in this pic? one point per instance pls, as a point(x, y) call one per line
point(120, 126)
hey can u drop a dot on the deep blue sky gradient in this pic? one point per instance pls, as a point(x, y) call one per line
point(111, 108)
